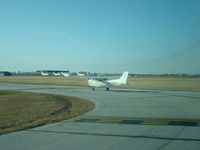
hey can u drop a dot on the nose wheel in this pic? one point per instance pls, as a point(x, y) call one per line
point(107, 89)
point(93, 89)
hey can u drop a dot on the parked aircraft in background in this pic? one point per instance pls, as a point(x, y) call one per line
point(80, 74)
point(56, 74)
point(98, 82)
point(65, 74)
point(44, 73)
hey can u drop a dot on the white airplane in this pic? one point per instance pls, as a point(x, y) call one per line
point(96, 83)
point(65, 74)
point(56, 74)
point(44, 74)
point(80, 74)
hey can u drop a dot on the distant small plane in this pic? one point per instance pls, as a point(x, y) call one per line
point(44, 74)
point(65, 74)
point(56, 74)
point(98, 82)
point(80, 74)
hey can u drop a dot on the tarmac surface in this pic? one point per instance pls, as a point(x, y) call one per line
point(122, 119)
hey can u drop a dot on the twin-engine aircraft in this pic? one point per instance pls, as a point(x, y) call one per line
point(98, 82)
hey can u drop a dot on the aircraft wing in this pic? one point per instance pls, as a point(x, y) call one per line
point(100, 79)
point(105, 81)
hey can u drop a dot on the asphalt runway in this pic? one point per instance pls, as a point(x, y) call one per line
point(122, 119)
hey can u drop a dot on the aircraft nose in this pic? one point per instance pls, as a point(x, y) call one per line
point(89, 81)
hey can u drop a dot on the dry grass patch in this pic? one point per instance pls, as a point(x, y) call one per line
point(165, 83)
point(45, 80)
point(21, 110)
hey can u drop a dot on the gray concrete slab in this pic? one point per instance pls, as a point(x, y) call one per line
point(116, 103)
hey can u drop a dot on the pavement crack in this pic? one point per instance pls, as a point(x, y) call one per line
point(115, 135)
point(167, 143)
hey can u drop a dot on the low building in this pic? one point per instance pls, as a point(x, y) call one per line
point(5, 73)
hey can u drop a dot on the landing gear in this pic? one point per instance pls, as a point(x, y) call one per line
point(93, 89)
point(107, 89)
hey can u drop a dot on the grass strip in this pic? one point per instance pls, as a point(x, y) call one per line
point(22, 110)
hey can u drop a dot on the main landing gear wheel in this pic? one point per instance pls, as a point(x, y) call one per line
point(107, 89)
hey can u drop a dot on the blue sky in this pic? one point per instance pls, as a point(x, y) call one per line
point(141, 36)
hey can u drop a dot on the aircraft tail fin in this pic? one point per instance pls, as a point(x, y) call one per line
point(124, 77)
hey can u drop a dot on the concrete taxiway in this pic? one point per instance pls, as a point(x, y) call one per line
point(122, 119)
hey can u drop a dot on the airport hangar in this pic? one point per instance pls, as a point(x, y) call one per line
point(5, 73)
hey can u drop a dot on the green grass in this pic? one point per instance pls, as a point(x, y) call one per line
point(21, 110)
point(154, 83)
point(7, 92)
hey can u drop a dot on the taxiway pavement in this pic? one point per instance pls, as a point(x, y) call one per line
point(122, 119)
